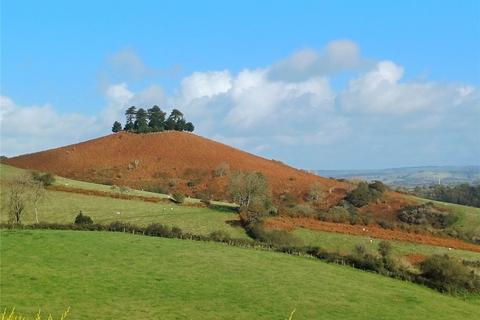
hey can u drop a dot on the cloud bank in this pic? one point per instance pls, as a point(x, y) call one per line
point(288, 110)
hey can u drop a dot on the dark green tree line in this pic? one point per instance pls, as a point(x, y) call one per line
point(152, 120)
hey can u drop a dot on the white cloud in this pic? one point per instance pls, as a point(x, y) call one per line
point(26, 129)
point(380, 91)
point(337, 56)
point(205, 84)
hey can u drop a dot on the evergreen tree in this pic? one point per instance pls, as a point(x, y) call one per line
point(141, 124)
point(180, 125)
point(174, 117)
point(189, 127)
point(117, 126)
point(130, 115)
point(156, 119)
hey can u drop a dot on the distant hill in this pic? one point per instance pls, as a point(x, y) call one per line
point(412, 176)
point(168, 162)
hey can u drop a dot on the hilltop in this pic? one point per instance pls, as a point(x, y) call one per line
point(169, 161)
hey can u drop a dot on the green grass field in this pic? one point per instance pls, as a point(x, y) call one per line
point(121, 276)
point(62, 207)
point(344, 243)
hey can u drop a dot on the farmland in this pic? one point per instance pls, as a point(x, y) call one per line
point(195, 280)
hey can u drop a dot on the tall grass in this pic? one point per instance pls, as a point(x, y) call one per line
point(12, 315)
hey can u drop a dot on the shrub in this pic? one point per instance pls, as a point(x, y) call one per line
point(426, 214)
point(220, 235)
point(315, 193)
point(363, 195)
point(386, 224)
point(223, 169)
point(378, 185)
point(288, 200)
point(45, 178)
point(178, 197)
point(160, 230)
point(82, 219)
point(278, 238)
point(338, 214)
point(385, 249)
point(448, 275)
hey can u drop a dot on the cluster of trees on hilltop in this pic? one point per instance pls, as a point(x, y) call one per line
point(152, 120)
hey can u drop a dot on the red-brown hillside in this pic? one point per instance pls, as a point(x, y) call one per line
point(172, 161)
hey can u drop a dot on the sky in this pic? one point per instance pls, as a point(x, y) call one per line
point(315, 84)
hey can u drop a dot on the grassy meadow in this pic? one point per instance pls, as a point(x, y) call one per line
point(344, 243)
point(120, 276)
point(62, 207)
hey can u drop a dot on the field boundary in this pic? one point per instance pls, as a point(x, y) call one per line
point(286, 223)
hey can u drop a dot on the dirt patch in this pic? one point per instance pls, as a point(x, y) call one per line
point(371, 231)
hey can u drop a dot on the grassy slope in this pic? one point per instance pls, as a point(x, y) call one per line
point(62, 207)
point(120, 276)
point(345, 243)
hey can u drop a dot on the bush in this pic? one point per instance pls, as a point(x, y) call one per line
point(82, 219)
point(363, 194)
point(45, 178)
point(339, 214)
point(178, 197)
point(220, 236)
point(160, 230)
point(386, 224)
point(385, 249)
point(278, 238)
point(448, 275)
point(378, 185)
point(426, 214)
point(288, 200)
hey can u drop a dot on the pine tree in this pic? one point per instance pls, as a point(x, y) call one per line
point(189, 127)
point(117, 126)
point(141, 124)
point(156, 119)
point(174, 117)
point(130, 115)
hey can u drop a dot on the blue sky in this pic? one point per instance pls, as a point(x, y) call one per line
point(316, 84)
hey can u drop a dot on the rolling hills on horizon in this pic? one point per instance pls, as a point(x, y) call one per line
point(412, 176)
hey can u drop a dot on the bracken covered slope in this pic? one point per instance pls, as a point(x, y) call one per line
point(169, 161)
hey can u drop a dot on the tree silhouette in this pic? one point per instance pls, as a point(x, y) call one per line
point(117, 126)
point(141, 125)
point(130, 116)
point(156, 119)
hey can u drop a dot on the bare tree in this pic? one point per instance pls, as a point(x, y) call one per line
point(37, 195)
point(316, 192)
point(23, 192)
point(222, 170)
point(244, 187)
point(19, 197)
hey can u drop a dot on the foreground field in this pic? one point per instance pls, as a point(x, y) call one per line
point(121, 276)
